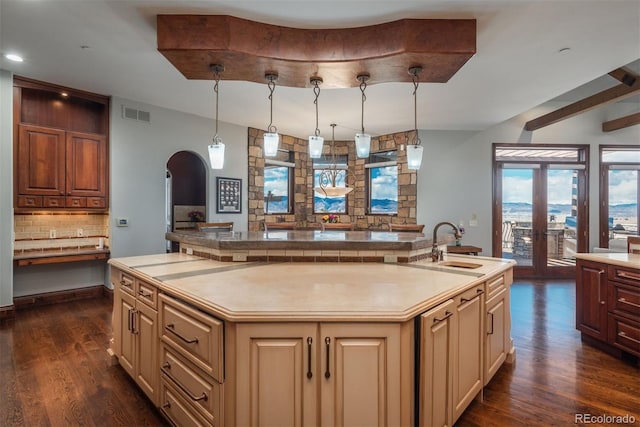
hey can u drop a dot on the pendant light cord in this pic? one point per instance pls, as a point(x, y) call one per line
point(363, 86)
point(316, 92)
point(215, 89)
point(414, 73)
point(272, 86)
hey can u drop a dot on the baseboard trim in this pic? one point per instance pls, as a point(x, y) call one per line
point(37, 300)
point(7, 313)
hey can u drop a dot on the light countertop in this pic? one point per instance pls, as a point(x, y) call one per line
point(238, 291)
point(622, 259)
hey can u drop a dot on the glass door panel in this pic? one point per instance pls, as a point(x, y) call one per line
point(517, 215)
point(623, 207)
point(561, 218)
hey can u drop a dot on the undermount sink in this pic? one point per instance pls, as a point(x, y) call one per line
point(460, 264)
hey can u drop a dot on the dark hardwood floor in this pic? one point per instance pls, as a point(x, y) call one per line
point(54, 369)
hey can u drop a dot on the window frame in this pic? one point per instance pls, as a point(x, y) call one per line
point(291, 166)
point(375, 165)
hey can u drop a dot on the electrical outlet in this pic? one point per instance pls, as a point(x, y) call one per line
point(52, 233)
point(79, 232)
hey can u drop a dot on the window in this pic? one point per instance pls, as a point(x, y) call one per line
point(619, 186)
point(321, 202)
point(382, 183)
point(278, 182)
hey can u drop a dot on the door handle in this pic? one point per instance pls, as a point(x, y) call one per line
point(327, 342)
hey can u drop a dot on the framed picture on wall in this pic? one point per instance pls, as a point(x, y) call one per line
point(229, 195)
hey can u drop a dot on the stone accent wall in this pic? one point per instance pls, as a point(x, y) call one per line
point(303, 214)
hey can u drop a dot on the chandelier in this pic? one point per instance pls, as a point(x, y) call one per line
point(329, 177)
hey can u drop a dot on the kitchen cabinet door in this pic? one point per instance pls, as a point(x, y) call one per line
point(360, 382)
point(497, 334)
point(40, 163)
point(591, 299)
point(86, 160)
point(277, 374)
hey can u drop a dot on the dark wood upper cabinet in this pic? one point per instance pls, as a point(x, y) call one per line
point(61, 147)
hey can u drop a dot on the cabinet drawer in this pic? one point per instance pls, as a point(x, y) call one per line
point(123, 281)
point(96, 202)
point(148, 294)
point(624, 334)
point(53, 202)
point(190, 384)
point(494, 285)
point(76, 202)
point(624, 299)
point(629, 276)
point(194, 334)
point(29, 201)
point(177, 410)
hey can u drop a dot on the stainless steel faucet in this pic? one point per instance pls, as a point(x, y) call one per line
point(434, 249)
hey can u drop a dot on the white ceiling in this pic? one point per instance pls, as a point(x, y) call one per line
point(517, 66)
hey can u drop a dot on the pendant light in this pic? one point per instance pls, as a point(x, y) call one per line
point(414, 150)
point(329, 177)
point(316, 141)
point(216, 150)
point(271, 137)
point(363, 140)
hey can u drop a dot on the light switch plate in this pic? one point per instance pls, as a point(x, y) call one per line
point(122, 222)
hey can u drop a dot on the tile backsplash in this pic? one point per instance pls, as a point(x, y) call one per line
point(39, 231)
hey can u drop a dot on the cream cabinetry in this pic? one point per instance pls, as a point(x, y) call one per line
point(318, 374)
point(497, 325)
point(451, 357)
point(135, 330)
point(191, 364)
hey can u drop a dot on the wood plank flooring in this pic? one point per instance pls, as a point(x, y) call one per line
point(54, 369)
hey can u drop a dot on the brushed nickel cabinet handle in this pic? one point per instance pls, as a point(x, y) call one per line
point(129, 321)
point(133, 321)
point(624, 301)
point(126, 284)
point(491, 332)
point(170, 327)
point(166, 365)
point(327, 342)
point(478, 293)
point(447, 314)
point(142, 293)
point(624, 335)
point(167, 405)
point(203, 396)
point(309, 342)
point(628, 275)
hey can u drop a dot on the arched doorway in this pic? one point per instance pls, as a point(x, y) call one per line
point(186, 191)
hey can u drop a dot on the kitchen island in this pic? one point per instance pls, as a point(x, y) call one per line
point(608, 302)
point(315, 343)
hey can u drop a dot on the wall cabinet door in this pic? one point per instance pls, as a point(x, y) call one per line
point(436, 346)
point(468, 349)
point(86, 160)
point(497, 334)
point(360, 384)
point(277, 374)
point(40, 164)
point(591, 303)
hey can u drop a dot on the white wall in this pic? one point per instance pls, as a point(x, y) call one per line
point(139, 153)
point(6, 188)
point(455, 180)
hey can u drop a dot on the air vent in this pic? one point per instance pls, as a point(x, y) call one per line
point(133, 114)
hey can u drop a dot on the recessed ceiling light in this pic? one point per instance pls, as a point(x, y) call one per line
point(13, 57)
point(64, 94)
point(564, 50)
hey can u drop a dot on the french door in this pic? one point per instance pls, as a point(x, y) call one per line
point(539, 213)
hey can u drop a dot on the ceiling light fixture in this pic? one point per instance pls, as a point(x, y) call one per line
point(414, 150)
point(363, 140)
point(216, 150)
point(14, 57)
point(271, 137)
point(329, 177)
point(316, 142)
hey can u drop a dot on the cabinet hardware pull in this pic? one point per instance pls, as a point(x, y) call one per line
point(144, 295)
point(203, 396)
point(624, 301)
point(129, 322)
point(491, 333)
point(170, 327)
point(167, 405)
point(628, 275)
point(123, 283)
point(447, 314)
point(327, 372)
point(166, 365)
point(624, 335)
point(133, 321)
point(478, 293)
point(309, 342)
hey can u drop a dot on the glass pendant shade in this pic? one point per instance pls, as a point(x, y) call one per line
point(216, 154)
point(414, 156)
point(315, 146)
point(363, 145)
point(331, 191)
point(271, 142)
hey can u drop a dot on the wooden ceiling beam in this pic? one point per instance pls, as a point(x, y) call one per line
point(621, 123)
point(624, 75)
point(607, 96)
